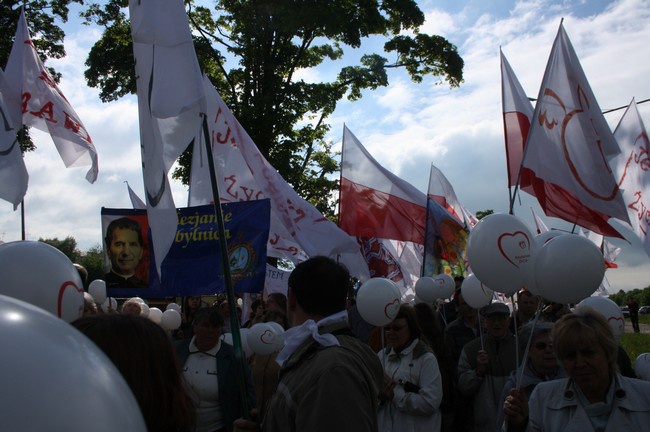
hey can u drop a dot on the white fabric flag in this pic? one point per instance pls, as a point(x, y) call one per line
point(34, 99)
point(632, 168)
point(13, 173)
point(570, 143)
point(298, 230)
point(441, 191)
point(170, 104)
point(136, 201)
point(539, 223)
point(470, 218)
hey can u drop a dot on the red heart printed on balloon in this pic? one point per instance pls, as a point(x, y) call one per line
point(268, 337)
point(515, 247)
point(621, 322)
point(62, 291)
point(390, 310)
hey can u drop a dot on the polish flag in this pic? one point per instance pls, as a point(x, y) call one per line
point(517, 112)
point(569, 147)
point(442, 192)
point(375, 202)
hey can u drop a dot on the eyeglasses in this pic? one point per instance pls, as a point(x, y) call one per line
point(394, 328)
point(543, 345)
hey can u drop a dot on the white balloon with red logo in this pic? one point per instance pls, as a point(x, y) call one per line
point(279, 331)
point(40, 274)
point(538, 242)
point(445, 285)
point(568, 269)
point(609, 310)
point(378, 301)
point(262, 339)
point(499, 251)
point(475, 293)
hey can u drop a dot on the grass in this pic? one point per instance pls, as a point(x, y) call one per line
point(635, 344)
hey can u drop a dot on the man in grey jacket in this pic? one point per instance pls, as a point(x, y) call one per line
point(485, 364)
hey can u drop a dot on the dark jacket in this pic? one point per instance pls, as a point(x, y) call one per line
point(228, 378)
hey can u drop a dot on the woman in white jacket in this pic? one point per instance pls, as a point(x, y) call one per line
point(594, 397)
point(412, 393)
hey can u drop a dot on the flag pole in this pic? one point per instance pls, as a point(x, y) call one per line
point(22, 219)
point(240, 358)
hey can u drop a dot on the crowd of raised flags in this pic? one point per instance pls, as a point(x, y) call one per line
point(561, 151)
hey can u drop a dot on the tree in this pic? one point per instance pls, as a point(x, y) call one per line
point(41, 16)
point(93, 261)
point(68, 246)
point(482, 213)
point(252, 51)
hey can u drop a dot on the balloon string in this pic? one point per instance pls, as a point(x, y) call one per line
point(480, 329)
point(530, 339)
point(514, 319)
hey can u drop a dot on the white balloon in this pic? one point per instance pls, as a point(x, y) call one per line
point(97, 289)
point(243, 332)
point(139, 300)
point(609, 310)
point(425, 289)
point(642, 366)
point(475, 293)
point(144, 310)
point(40, 274)
point(538, 242)
point(173, 306)
point(378, 301)
point(445, 285)
point(499, 250)
point(109, 303)
point(75, 386)
point(279, 331)
point(170, 319)
point(262, 339)
point(155, 315)
point(568, 269)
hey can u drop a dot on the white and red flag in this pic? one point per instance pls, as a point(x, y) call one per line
point(540, 226)
point(569, 146)
point(442, 192)
point(34, 99)
point(632, 168)
point(13, 173)
point(298, 230)
point(170, 103)
point(375, 202)
point(517, 113)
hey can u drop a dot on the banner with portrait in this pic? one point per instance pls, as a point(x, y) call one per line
point(193, 265)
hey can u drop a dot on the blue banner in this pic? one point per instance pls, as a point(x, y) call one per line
point(193, 265)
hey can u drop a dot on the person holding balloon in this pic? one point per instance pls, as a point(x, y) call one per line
point(541, 365)
point(412, 392)
point(594, 396)
point(210, 370)
point(485, 364)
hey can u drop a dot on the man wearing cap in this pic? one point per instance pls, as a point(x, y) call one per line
point(485, 364)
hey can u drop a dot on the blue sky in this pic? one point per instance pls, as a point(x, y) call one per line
point(406, 127)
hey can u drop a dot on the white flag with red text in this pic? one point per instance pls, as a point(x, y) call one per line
point(569, 147)
point(298, 230)
point(13, 173)
point(632, 168)
point(34, 99)
point(170, 103)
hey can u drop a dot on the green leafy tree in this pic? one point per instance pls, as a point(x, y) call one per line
point(93, 261)
point(68, 246)
point(252, 51)
point(482, 213)
point(42, 17)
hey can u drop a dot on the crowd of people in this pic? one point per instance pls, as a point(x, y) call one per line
point(446, 367)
